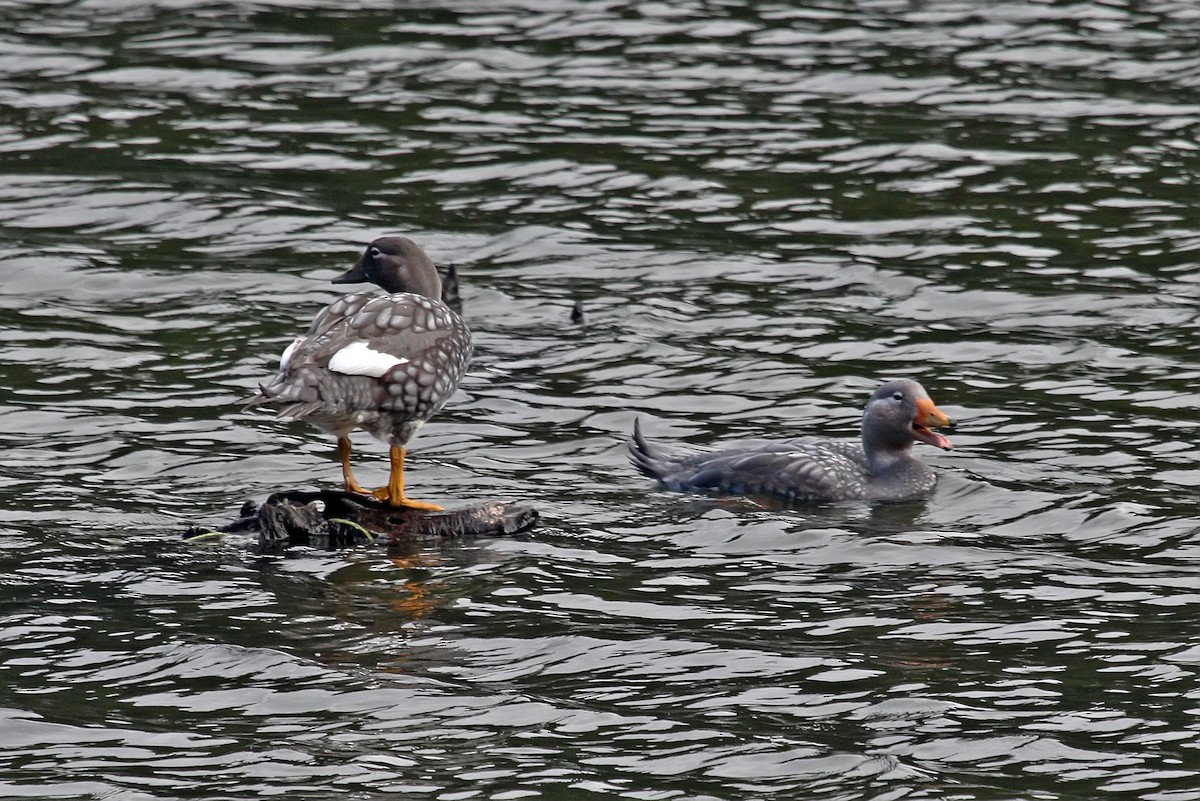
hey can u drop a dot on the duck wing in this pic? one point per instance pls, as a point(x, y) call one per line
point(804, 468)
point(402, 354)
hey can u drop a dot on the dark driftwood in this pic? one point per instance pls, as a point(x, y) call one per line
point(334, 519)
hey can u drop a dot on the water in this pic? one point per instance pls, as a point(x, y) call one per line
point(763, 209)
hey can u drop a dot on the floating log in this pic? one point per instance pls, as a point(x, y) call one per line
point(336, 519)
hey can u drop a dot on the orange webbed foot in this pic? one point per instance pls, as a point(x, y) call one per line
point(384, 494)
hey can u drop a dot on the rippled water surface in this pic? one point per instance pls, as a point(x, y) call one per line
point(763, 208)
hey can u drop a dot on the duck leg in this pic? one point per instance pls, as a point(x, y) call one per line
point(343, 451)
point(393, 493)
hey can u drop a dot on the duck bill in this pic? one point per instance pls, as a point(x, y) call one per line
point(355, 275)
point(928, 416)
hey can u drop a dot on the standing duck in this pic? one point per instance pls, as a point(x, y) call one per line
point(382, 363)
point(878, 467)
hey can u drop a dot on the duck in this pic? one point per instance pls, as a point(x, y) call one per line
point(382, 363)
point(879, 466)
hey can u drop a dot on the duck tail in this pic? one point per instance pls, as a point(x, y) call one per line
point(269, 392)
point(288, 402)
point(258, 398)
point(645, 457)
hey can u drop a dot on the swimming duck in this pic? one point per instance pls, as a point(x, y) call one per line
point(382, 363)
point(879, 467)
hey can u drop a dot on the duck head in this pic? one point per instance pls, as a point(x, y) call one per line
point(899, 413)
point(397, 264)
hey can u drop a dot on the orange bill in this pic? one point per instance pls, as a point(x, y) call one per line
point(928, 416)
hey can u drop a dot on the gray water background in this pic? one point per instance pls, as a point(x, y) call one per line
point(764, 209)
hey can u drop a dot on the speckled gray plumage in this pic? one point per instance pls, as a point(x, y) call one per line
point(879, 466)
point(430, 344)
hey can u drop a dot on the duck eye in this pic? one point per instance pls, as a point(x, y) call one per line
point(899, 396)
point(376, 253)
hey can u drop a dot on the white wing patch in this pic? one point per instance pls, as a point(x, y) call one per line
point(287, 354)
point(357, 358)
